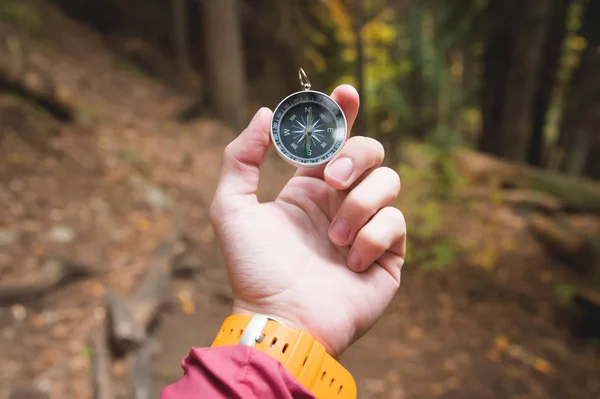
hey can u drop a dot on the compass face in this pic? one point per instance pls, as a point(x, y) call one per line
point(308, 128)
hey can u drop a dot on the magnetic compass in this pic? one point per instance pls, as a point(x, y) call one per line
point(308, 127)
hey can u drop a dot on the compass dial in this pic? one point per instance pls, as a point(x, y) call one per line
point(308, 128)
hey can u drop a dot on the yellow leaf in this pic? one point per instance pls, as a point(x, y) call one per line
point(339, 15)
point(501, 343)
point(187, 304)
point(188, 307)
point(577, 43)
point(348, 55)
point(142, 224)
point(542, 365)
point(379, 32)
point(345, 36)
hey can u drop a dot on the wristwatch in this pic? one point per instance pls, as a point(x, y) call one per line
point(303, 356)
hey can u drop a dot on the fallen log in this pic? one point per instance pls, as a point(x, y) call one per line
point(101, 380)
point(55, 272)
point(29, 81)
point(518, 198)
point(575, 194)
point(142, 383)
point(27, 392)
point(129, 318)
point(568, 245)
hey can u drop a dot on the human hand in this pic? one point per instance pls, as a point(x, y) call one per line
point(287, 259)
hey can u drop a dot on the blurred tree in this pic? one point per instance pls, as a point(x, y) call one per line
point(551, 55)
point(416, 83)
point(592, 166)
point(578, 129)
point(181, 34)
point(225, 65)
point(361, 120)
point(512, 60)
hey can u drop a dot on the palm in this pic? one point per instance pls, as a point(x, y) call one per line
point(289, 256)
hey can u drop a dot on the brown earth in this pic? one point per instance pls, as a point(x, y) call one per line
point(96, 191)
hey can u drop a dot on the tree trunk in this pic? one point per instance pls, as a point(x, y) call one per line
point(552, 50)
point(417, 86)
point(225, 69)
point(470, 72)
point(497, 58)
point(180, 34)
point(592, 167)
point(518, 40)
point(361, 121)
point(576, 131)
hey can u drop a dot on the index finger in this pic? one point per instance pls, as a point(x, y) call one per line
point(347, 98)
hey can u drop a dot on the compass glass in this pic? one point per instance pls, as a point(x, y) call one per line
point(308, 128)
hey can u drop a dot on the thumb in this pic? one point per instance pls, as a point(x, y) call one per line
point(242, 158)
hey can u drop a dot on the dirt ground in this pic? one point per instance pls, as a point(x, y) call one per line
point(101, 190)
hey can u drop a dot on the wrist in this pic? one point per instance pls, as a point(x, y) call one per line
point(288, 320)
point(301, 354)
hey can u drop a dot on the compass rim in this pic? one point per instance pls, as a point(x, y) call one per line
point(303, 164)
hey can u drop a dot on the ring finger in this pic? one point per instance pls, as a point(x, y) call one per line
point(385, 232)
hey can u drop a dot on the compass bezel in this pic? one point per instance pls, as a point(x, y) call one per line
point(339, 135)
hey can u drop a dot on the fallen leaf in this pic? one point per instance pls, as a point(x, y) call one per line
point(542, 366)
point(502, 342)
point(187, 304)
point(415, 332)
point(142, 224)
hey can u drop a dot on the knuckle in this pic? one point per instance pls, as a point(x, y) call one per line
point(215, 210)
point(390, 175)
point(370, 239)
point(378, 147)
point(357, 204)
point(229, 151)
point(395, 216)
point(219, 208)
point(375, 148)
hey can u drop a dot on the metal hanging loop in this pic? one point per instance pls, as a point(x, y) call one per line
point(303, 79)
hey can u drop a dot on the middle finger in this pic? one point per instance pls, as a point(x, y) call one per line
point(359, 156)
point(378, 190)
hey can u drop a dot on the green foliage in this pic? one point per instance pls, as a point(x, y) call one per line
point(442, 255)
point(413, 61)
point(427, 171)
point(14, 11)
point(440, 142)
point(85, 114)
point(565, 294)
point(87, 352)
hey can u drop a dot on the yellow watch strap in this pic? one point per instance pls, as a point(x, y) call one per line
point(304, 357)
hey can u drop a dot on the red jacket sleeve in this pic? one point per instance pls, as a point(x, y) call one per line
point(234, 372)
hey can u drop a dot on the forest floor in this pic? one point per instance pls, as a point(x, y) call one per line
point(100, 190)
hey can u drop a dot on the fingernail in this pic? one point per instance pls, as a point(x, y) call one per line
point(340, 231)
point(341, 169)
point(354, 260)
